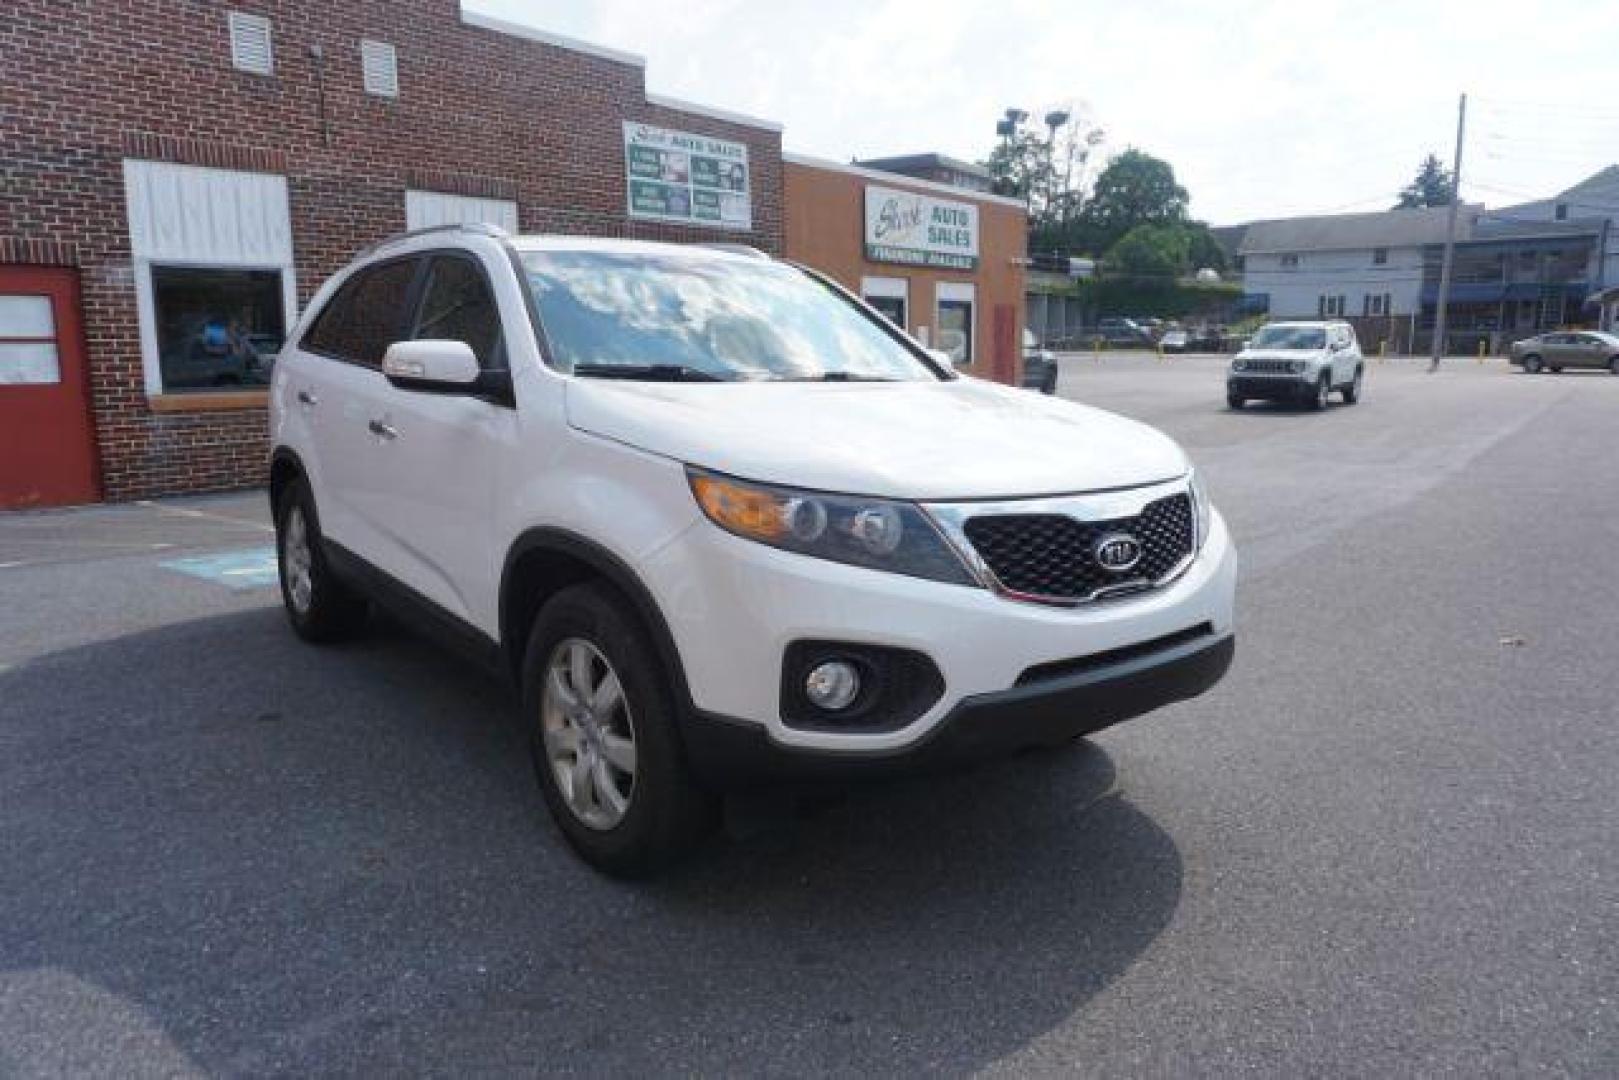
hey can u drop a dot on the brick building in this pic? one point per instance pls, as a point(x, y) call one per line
point(945, 263)
point(177, 177)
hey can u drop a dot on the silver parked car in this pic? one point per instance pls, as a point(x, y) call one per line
point(1567, 348)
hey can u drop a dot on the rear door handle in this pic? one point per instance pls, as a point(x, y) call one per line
point(383, 430)
point(307, 397)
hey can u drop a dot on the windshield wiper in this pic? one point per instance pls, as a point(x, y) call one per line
point(647, 372)
point(840, 376)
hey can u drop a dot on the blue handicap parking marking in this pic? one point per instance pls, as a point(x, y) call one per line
point(249, 568)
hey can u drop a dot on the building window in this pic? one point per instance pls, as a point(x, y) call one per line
point(1562, 211)
point(28, 341)
point(1290, 262)
point(1380, 256)
point(1330, 306)
point(251, 49)
point(889, 296)
point(379, 68)
point(956, 321)
point(217, 327)
point(1375, 304)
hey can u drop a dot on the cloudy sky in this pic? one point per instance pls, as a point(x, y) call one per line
point(1264, 107)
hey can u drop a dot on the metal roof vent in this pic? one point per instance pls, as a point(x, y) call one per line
point(250, 48)
point(380, 66)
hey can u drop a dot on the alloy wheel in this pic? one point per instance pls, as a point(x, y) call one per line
point(297, 561)
point(588, 733)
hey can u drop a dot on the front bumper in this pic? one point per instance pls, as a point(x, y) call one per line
point(1272, 387)
point(734, 607)
point(728, 754)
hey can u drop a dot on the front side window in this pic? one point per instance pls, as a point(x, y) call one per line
point(457, 306)
point(672, 316)
point(367, 314)
point(217, 327)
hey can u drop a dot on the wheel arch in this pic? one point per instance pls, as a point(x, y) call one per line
point(285, 467)
point(542, 561)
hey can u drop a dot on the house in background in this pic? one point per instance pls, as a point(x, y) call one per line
point(1518, 270)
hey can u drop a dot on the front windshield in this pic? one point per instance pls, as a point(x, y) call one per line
point(636, 315)
point(1289, 337)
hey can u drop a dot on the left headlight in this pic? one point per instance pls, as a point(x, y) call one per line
point(879, 534)
point(1202, 510)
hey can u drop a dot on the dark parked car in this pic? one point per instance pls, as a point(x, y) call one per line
point(1039, 365)
point(1123, 333)
point(1567, 348)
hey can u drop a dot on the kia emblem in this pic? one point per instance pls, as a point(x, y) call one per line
point(1117, 552)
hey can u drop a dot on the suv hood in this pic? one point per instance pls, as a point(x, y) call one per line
point(964, 439)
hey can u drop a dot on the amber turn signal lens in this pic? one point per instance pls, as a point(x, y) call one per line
point(744, 510)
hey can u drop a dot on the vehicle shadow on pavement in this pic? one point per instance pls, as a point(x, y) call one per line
point(283, 858)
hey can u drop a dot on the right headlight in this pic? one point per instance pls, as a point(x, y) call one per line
point(879, 534)
point(1239, 364)
point(1202, 511)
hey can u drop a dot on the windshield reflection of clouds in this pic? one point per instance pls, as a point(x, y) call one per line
point(732, 319)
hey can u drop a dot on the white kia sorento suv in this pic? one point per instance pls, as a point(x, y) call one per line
point(723, 524)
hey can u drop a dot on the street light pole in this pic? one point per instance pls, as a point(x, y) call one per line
point(1441, 312)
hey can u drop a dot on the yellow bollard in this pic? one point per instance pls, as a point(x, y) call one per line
point(1483, 348)
point(1096, 348)
point(1382, 350)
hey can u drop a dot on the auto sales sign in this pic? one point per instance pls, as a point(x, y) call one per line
point(904, 227)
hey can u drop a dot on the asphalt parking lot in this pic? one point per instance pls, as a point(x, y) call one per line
point(1384, 845)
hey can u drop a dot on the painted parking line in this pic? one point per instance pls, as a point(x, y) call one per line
point(249, 568)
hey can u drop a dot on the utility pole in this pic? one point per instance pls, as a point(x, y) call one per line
point(1440, 311)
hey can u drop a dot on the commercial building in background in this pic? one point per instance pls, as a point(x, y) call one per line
point(940, 168)
point(1518, 270)
point(178, 176)
point(943, 262)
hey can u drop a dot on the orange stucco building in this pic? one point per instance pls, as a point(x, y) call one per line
point(944, 262)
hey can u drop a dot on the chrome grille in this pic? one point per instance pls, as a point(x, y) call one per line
point(1268, 367)
point(1052, 556)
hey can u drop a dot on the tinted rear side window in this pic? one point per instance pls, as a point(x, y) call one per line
point(457, 306)
point(367, 314)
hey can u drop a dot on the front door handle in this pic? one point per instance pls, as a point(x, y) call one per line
point(307, 397)
point(383, 430)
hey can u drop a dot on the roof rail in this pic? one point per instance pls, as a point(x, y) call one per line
point(478, 228)
point(735, 249)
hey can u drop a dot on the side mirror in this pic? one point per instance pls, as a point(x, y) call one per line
point(431, 364)
point(434, 366)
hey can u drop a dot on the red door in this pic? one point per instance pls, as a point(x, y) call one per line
point(47, 452)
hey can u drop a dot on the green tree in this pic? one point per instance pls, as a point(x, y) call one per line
point(1135, 189)
point(1048, 169)
point(1433, 186)
point(1150, 250)
point(1203, 250)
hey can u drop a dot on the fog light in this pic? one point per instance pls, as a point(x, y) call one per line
point(832, 685)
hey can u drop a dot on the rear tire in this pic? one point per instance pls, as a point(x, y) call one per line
point(1613, 365)
point(611, 768)
point(320, 607)
point(1532, 365)
point(1352, 391)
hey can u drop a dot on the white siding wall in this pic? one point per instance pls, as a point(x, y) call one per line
point(430, 209)
point(1296, 292)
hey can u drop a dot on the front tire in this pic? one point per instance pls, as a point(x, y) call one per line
point(601, 718)
point(1235, 402)
point(1323, 391)
point(1613, 365)
point(1352, 391)
point(319, 606)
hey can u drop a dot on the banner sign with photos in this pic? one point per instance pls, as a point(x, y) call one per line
point(688, 179)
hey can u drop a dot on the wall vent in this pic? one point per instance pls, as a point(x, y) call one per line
point(250, 48)
point(380, 67)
